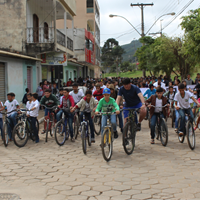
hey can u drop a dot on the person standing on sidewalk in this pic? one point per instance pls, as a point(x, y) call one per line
point(1, 121)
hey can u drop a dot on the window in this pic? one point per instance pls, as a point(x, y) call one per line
point(89, 45)
point(46, 31)
point(90, 6)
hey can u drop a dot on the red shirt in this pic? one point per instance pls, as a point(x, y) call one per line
point(98, 95)
point(67, 102)
point(69, 83)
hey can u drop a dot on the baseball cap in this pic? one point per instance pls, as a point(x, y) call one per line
point(106, 91)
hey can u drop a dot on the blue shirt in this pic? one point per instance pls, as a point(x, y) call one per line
point(149, 92)
point(131, 96)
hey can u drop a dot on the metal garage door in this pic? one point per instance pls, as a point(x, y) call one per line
point(2, 83)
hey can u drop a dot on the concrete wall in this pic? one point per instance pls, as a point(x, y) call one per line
point(12, 24)
point(70, 70)
point(16, 70)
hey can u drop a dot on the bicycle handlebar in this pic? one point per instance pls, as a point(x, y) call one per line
point(159, 106)
point(5, 113)
point(50, 108)
point(134, 109)
point(108, 113)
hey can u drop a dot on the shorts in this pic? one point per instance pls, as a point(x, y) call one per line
point(126, 112)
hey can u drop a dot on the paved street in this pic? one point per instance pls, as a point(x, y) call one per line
point(47, 171)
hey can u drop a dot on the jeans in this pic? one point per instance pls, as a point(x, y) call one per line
point(88, 116)
point(120, 121)
point(153, 124)
point(104, 122)
point(33, 126)
point(177, 117)
point(70, 120)
point(59, 115)
point(182, 113)
point(46, 111)
point(1, 127)
point(12, 120)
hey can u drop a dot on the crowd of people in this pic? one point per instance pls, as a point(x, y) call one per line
point(93, 96)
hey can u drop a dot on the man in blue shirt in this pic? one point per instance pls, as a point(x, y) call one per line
point(133, 99)
point(150, 91)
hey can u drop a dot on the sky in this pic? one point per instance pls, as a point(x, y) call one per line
point(119, 28)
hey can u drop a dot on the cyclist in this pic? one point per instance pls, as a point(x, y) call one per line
point(98, 93)
point(67, 104)
point(133, 99)
point(10, 105)
point(87, 104)
point(157, 100)
point(182, 97)
point(76, 94)
point(49, 100)
point(150, 91)
point(28, 103)
point(104, 104)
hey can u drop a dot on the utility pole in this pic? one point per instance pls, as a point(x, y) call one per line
point(142, 5)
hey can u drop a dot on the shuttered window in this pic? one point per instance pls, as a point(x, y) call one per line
point(2, 83)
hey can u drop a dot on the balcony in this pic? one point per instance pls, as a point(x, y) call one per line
point(61, 38)
point(70, 44)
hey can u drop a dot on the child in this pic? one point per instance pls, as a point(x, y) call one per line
point(28, 103)
point(104, 104)
point(157, 100)
point(98, 93)
point(39, 91)
point(24, 100)
point(87, 104)
point(150, 91)
point(10, 105)
point(60, 95)
point(182, 97)
point(1, 120)
point(55, 90)
point(34, 109)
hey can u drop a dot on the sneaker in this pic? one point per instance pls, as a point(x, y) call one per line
point(181, 134)
point(176, 130)
point(115, 135)
point(92, 140)
point(72, 140)
point(139, 127)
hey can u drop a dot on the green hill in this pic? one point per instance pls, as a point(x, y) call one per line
point(130, 50)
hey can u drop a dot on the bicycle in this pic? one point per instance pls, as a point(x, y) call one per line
point(107, 137)
point(50, 121)
point(129, 132)
point(188, 132)
point(23, 130)
point(85, 133)
point(161, 128)
point(76, 124)
point(97, 124)
point(62, 131)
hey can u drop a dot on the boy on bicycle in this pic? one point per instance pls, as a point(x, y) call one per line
point(86, 105)
point(10, 105)
point(158, 101)
point(182, 97)
point(67, 104)
point(33, 114)
point(104, 105)
point(49, 100)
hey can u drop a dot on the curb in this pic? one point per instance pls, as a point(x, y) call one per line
point(41, 120)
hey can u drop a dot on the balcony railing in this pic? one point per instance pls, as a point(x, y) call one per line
point(61, 38)
point(40, 35)
point(70, 44)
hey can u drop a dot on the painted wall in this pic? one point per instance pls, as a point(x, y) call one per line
point(13, 24)
point(70, 70)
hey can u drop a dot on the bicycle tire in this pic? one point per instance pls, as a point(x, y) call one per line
point(89, 136)
point(189, 130)
point(76, 126)
point(97, 123)
point(16, 135)
point(47, 130)
point(106, 140)
point(163, 132)
point(83, 135)
point(60, 133)
point(5, 135)
point(180, 138)
point(131, 138)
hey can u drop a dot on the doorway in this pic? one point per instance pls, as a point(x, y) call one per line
point(67, 76)
point(29, 85)
point(35, 28)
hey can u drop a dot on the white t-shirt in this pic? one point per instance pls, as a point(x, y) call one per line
point(94, 89)
point(61, 99)
point(162, 85)
point(10, 106)
point(158, 104)
point(77, 97)
point(183, 102)
point(28, 105)
point(1, 107)
point(103, 87)
point(35, 104)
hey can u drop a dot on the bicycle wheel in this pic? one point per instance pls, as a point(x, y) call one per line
point(173, 118)
point(76, 125)
point(47, 130)
point(89, 136)
point(180, 138)
point(83, 135)
point(97, 124)
point(5, 134)
point(60, 133)
point(107, 144)
point(128, 138)
point(163, 132)
point(20, 134)
point(190, 135)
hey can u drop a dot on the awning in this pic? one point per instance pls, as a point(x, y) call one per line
point(19, 55)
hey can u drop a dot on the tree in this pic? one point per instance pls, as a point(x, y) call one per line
point(112, 54)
